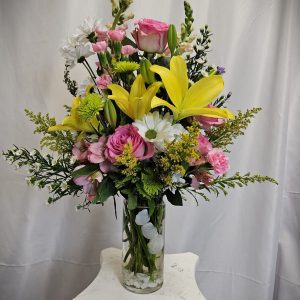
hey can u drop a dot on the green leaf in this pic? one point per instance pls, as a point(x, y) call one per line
point(174, 199)
point(105, 190)
point(132, 201)
point(86, 170)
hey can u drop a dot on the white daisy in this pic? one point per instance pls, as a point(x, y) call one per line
point(82, 87)
point(158, 130)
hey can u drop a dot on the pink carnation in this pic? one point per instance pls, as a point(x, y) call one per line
point(80, 150)
point(103, 81)
point(102, 34)
point(128, 50)
point(99, 46)
point(116, 35)
point(96, 151)
point(204, 146)
point(218, 160)
point(124, 135)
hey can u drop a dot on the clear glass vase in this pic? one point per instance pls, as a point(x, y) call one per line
point(143, 248)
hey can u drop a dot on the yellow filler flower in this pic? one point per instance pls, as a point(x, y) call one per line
point(73, 121)
point(137, 103)
point(187, 101)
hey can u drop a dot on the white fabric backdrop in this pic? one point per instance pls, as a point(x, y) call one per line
point(248, 244)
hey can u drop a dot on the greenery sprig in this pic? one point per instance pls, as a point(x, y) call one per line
point(57, 141)
point(46, 171)
point(223, 136)
point(71, 84)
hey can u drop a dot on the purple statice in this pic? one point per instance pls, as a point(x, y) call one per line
point(221, 70)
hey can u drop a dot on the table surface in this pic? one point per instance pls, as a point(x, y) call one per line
point(179, 279)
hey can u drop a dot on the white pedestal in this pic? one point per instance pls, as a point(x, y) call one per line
point(179, 279)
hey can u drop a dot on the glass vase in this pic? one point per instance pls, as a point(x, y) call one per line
point(143, 247)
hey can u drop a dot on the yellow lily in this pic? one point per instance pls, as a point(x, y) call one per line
point(137, 103)
point(187, 101)
point(73, 122)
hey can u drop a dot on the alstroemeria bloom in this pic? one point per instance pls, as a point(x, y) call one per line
point(187, 101)
point(95, 152)
point(89, 183)
point(73, 121)
point(136, 104)
point(80, 150)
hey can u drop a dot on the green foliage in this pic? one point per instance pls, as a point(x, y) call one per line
point(71, 84)
point(105, 190)
point(151, 185)
point(223, 135)
point(197, 62)
point(220, 102)
point(174, 198)
point(221, 184)
point(57, 141)
point(187, 26)
point(86, 170)
point(45, 171)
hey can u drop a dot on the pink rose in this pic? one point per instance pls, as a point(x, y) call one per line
point(103, 81)
point(96, 151)
point(80, 150)
point(89, 183)
point(116, 35)
point(218, 160)
point(99, 47)
point(207, 122)
point(124, 135)
point(151, 35)
point(128, 50)
point(204, 146)
point(102, 34)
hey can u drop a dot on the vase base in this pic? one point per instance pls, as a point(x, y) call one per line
point(147, 290)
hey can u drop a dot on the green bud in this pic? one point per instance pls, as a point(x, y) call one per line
point(117, 49)
point(172, 38)
point(148, 75)
point(110, 113)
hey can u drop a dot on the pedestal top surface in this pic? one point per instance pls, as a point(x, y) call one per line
point(179, 279)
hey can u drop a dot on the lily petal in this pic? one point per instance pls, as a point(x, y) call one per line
point(171, 83)
point(203, 92)
point(120, 95)
point(206, 112)
point(178, 68)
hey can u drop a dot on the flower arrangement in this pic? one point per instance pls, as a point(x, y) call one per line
point(149, 121)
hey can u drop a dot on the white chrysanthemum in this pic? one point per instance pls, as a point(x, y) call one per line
point(88, 26)
point(158, 130)
point(78, 52)
point(83, 85)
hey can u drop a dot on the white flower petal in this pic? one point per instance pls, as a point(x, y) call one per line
point(142, 217)
point(149, 231)
point(156, 244)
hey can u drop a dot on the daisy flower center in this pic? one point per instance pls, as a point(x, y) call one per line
point(151, 134)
